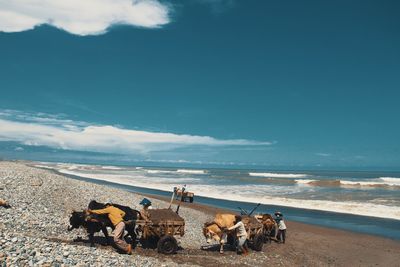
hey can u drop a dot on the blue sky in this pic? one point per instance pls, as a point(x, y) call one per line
point(283, 84)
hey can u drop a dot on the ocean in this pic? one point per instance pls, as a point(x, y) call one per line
point(360, 201)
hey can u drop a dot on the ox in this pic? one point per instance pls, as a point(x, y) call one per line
point(130, 217)
point(93, 223)
point(215, 230)
point(270, 225)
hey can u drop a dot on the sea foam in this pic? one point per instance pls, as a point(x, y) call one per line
point(250, 194)
point(277, 175)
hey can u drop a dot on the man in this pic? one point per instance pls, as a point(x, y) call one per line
point(281, 227)
point(240, 233)
point(144, 214)
point(116, 217)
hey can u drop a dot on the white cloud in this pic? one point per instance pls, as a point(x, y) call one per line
point(81, 17)
point(102, 138)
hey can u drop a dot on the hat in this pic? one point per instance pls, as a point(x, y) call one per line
point(145, 202)
point(278, 213)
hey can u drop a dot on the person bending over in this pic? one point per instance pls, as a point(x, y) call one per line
point(116, 217)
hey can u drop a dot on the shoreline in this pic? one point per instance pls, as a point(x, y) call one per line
point(46, 208)
point(357, 208)
point(333, 220)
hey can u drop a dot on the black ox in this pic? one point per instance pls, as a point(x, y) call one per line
point(94, 223)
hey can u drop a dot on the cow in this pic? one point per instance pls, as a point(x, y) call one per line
point(92, 223)
point(270, 225)
point(215, 230)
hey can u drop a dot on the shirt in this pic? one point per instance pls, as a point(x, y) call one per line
point(241, 231)
point(114, 214)
point(281, 225)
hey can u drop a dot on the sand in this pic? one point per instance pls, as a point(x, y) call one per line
point(33, 231)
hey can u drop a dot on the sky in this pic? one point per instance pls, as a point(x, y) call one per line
point(225, 83)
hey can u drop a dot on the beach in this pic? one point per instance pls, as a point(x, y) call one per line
point(33, 232)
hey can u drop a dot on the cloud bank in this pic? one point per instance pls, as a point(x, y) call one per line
point(81, 17)
point(81, 136)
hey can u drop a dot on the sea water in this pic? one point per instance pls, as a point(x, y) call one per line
point(367, 202)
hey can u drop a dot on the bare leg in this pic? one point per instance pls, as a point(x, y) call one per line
point(221, 249)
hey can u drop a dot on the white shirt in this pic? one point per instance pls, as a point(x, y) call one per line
point(241, 231)
point(282, 225)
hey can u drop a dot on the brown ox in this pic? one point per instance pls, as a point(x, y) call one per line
point(269, 224)
point(214, 230)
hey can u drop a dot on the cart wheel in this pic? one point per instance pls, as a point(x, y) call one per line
point(258, 242)
point(191, 199)
point(167, 245)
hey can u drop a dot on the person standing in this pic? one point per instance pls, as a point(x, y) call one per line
point(116, 217)
point(240, 233)
point(281, 227)
point(144, 214)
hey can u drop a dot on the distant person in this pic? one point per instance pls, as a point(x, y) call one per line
point(281, 237)
point(116, 217)
point(144, 214)
point(241, 234)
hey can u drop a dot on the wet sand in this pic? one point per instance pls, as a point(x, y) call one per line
point(310, 245)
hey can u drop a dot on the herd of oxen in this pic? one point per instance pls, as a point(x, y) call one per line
point(214, 230)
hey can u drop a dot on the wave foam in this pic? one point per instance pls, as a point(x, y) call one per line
point(158, 171)
point(277, 175)
point(191, 171)
point(251, 194)
point(305, 181)
point(391, 180)
point(110, 168)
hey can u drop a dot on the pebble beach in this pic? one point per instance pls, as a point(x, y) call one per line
point(33, 232)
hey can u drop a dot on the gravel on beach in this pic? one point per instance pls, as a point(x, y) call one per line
point(33, 232)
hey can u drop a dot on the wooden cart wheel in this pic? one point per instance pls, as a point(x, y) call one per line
point(258, 242)
point(167, 245)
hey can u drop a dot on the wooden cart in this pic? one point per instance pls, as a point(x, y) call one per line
point(160, 230)
point(187, 196)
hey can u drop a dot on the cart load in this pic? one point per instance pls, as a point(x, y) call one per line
point(161, 229)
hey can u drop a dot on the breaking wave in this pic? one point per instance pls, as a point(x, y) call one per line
point(192, 171)
point(251, 194)
point(391, 180)
point(273, 191)
point(277, 175)
point(377, 183)
point(110, 168)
